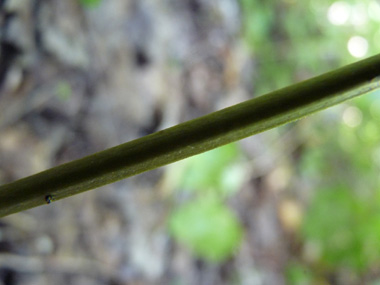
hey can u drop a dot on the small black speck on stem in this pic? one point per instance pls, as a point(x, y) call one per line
point(48, 199)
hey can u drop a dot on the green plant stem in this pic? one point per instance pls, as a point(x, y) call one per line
point(192, 137)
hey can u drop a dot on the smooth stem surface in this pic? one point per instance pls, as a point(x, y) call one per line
point(192, 137)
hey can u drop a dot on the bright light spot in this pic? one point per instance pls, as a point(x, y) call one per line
point(352, 117)
point(357, 46)
point(338, 13)
point(359, 15)
point(374, 11)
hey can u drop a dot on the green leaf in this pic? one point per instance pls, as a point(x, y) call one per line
point(90, 3)
point(346, 228)
point(297, 274)
point(208, 228)
point(208, 170)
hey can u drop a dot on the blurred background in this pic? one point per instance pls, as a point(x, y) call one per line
point(299, 204)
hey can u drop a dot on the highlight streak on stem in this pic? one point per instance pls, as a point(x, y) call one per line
point(192, 137)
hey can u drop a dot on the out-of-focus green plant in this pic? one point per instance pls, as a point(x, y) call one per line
point(90, 3)
point(216, 171)
point(204, 223)
point(286, 45)
point(344, 229)
point(343, 221)
point(298, 274)
point(346, 152)
point(207, 227)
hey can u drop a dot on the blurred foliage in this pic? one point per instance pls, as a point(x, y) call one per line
point(204, 223)
point(215, 171)
point(293, 40)
point(344, 228)
point(90, 3)
point(207, 227)
point(290, 41)
point(342, 223)
point(297, 274)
